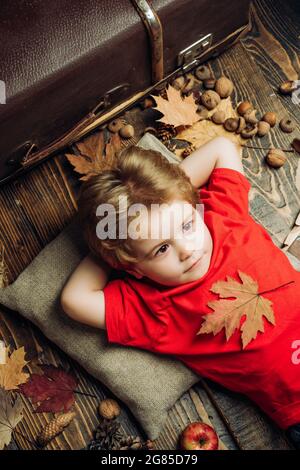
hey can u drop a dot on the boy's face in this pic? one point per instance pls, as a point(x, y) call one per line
point(180, 239)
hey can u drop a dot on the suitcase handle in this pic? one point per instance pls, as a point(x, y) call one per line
point(155, 33)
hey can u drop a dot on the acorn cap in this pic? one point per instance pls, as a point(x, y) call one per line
point(287, 125)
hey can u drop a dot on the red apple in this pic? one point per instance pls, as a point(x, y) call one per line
point(199, 436)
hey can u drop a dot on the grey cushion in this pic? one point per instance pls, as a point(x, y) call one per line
point(35, 294)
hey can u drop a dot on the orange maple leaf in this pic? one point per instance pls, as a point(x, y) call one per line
point(177, 111)
point(228, 313)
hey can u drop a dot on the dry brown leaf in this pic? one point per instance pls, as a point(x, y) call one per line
point(203, 131)
point(228, 313)
point(11, 374)
point(177, 111)
point(81, 165)
point(95, 156)
point(10, 416)
point(112, 148)
point(92, 146)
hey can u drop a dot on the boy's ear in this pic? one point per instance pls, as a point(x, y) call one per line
point(135, 272)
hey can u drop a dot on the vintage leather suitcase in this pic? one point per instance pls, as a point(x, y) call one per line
point(66, 66)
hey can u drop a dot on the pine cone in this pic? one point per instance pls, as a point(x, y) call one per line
point(107, 436)
point(54, 428)
point(171, 145)
point(187, 151)
point(135, 443)
point(166, 131)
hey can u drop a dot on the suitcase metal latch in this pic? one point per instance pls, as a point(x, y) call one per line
point(189, 56)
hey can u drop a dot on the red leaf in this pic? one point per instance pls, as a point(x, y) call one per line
point(54, 390)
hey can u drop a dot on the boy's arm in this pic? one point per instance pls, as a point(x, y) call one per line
point(219, 152)
point(82, 297)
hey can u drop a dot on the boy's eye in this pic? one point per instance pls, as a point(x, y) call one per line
point(188, 225)
point(161, 249)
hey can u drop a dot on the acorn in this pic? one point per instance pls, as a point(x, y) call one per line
point(244, 107)
point(231, 124)
point(197, 96)
point(286, 88)
point(263, 128)
point(287, 125)
point(276, 158)
point(109, 408)
point(115, 125)
point(218, 117)
point(189, 85)
point(270, 117)
point(210, 99)
point(296, 144)
point(241, 125)
point(148, 102)
point(224, 87)
point(250, 116)
point(203, 72)
point(249, 131)
point(209, 83)
point(127, 131)
point(179, 83)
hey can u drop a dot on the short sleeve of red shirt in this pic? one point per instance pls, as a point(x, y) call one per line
point(227, 190)
point(129, 318)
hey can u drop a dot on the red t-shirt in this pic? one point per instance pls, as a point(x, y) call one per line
point(166, 319)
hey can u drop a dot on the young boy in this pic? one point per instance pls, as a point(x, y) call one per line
point(163, 300)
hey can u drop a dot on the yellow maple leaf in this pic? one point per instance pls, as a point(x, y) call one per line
point(11, 373)
point(177, 111)
point(228, 313)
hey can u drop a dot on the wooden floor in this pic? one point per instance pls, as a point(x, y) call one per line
point(36, 207)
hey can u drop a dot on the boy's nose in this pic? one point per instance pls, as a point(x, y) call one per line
point(185, 249)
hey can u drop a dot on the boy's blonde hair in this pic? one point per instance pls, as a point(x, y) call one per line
point(144, 177)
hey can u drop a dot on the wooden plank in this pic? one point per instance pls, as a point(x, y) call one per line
point(274, 43)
